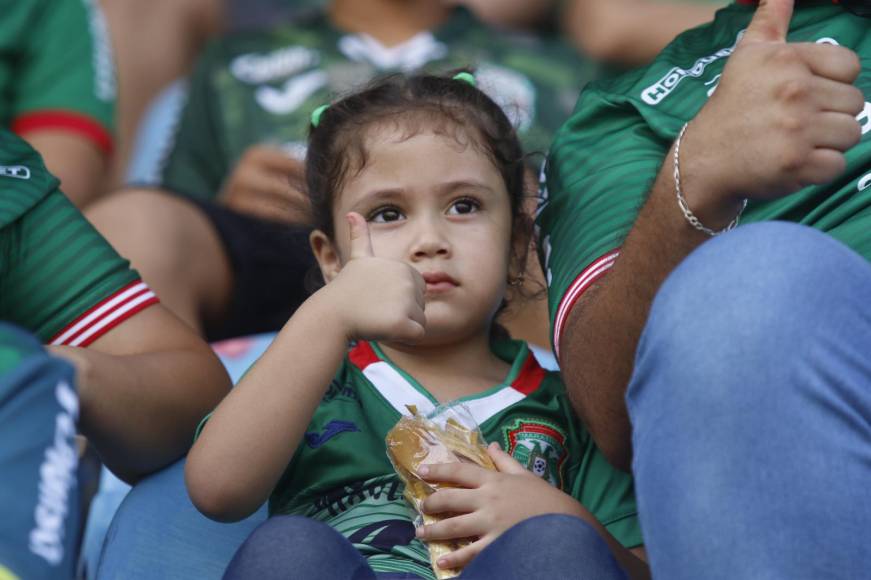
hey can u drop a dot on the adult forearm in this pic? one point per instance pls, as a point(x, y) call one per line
point(602, 333)
point(140, 410)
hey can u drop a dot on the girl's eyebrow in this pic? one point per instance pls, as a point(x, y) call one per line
point(464, 184)
point(378, 195)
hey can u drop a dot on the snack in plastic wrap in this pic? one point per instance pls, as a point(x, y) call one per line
point(450, 436)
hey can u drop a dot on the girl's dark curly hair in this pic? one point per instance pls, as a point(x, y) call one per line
point(446, 105)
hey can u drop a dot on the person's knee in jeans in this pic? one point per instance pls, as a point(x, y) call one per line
point(553, 546)
point(308, 548)
point(748, 377)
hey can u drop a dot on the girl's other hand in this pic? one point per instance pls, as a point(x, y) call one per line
point(487, 503)
point(379, 299)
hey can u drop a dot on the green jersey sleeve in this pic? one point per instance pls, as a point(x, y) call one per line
point(59, 278)
point(595, 187)
point(64, 76)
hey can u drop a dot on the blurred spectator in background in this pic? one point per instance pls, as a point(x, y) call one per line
point(519, 14)
point(155, 43)
point(223, 238)
point(629, 33)
point(57, 88)
point(262, 14)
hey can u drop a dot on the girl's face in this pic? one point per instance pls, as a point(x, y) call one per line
point(442, 207)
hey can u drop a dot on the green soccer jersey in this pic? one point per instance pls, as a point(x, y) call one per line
point(341, 475)
point(56, 68)
point(262, 87)
point(604, 159)
point(59, 278)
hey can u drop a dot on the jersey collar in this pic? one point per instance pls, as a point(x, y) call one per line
point(399, 389)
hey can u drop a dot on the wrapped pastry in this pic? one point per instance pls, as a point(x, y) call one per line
point(415, 441)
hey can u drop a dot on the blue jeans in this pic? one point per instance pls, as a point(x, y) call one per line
point(38, 460)
point(751, 411)
point(554, 547)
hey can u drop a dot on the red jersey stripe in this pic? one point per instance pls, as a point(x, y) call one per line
point(110, 324)
point(584, 280)
point(530, 376)
point(67, 121)
point(363, 355)
point(106, 309)
point(120, 313)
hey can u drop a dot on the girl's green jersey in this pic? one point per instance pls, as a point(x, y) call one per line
point(341, 474)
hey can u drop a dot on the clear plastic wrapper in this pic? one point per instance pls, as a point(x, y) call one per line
point(447, 435)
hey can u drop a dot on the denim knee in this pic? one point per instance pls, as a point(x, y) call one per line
point(552, 546)
point(300, 547)
point(747, 302)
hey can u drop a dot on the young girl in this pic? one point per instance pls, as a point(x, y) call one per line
point(416, 186)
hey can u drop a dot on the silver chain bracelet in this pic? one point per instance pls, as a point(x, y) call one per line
point(682, 202)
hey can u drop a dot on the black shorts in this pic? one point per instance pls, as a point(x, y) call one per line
point(272, 264)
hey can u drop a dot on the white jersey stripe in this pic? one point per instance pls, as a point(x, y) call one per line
point(112, 317)
point(110, 305)
point(581, 283)
point(396, 389)
point(400, 393)
point(486, 407)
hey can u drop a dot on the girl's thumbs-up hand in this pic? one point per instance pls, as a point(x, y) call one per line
point(379, 299)
point(781, 119)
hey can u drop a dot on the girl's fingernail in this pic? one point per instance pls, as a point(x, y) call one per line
point(442, 563)
point(418, 532)
point(423, 470)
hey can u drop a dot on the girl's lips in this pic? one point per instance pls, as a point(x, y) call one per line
point(438, 282)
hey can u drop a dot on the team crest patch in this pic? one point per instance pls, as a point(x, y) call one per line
point(538, 445)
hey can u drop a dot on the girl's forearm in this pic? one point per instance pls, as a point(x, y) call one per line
point(252, 435)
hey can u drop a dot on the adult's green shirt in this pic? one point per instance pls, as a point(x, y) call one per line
point(604, 159)
point(59, 278)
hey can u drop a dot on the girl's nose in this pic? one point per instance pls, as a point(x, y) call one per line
point(430, 241)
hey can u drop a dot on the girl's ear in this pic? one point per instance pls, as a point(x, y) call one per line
point(326, 254)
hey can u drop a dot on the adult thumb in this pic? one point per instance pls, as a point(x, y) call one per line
point(771, 21)
point(361, 241)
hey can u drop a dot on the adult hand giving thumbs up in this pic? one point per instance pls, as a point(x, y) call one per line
point(781, 119)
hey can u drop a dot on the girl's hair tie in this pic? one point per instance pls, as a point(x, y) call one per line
point(466, 77)
point(317, 114)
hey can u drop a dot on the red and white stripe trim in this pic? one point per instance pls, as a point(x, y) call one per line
point(397, 391)
point(584, 280)
point(106, 314)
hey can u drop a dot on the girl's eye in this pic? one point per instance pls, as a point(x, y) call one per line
point(385, 214)
point(464, 206)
